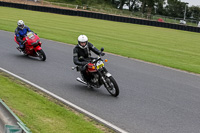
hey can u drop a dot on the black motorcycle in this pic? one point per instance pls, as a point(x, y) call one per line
point(98, 76)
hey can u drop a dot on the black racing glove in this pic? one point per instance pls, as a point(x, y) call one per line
point(84, 63)
point(102, 54)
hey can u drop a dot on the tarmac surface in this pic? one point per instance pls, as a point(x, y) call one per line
point(152, 99)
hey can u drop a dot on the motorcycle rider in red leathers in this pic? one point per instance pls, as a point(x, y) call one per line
point(82, 54)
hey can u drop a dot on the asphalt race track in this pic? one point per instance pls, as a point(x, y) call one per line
point(152, 99)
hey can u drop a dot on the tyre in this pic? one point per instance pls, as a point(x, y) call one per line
point(112, 86)
point(41, 55)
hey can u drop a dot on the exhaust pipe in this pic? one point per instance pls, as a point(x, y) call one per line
point(80, 80)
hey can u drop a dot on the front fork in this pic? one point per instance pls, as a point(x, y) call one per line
point(102, 76)
point(37, 48)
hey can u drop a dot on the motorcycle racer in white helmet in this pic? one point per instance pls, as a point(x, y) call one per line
point(21, 24)
point(82, 53)
point(20, 33)
point(82, 41)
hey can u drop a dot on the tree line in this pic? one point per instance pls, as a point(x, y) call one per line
point(172, 8)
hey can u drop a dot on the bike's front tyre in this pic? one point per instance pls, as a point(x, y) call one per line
point(112, 86)
point(41, 55)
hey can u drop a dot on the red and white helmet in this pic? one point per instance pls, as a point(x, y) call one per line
point(21, 24)
point(82, 38)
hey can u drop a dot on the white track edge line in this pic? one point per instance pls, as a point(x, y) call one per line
point(68, 103)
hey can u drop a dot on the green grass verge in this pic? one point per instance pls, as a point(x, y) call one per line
point(168, 47)
point(41, 113)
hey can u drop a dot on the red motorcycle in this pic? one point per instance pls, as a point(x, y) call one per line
point(32, 46)
point(98, 76)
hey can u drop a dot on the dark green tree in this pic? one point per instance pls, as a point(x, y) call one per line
point(122, 2)
point(194, 12)
point(131, 4)
point(148, 6)
point(160, 7)
point(175, 8)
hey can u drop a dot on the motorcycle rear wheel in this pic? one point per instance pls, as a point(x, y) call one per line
point(112, 87)
point(42, 55)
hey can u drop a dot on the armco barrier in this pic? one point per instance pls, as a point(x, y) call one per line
point(9, 122)
point(101, 16)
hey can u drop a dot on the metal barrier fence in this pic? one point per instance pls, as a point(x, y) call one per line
point(96, 15)
point(9, 122)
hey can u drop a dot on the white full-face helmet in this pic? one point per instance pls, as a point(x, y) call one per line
point(21, 24)
point(81, 40)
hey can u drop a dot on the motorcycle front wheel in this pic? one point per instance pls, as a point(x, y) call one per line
point(112, 86)
point(41, 55)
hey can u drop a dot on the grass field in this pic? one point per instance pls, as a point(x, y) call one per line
point(173, 48)
point(41, 113)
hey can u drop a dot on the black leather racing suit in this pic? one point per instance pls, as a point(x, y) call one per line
point(83, 56)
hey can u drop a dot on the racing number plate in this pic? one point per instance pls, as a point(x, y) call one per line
point(99, 64)
point(30, 34)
